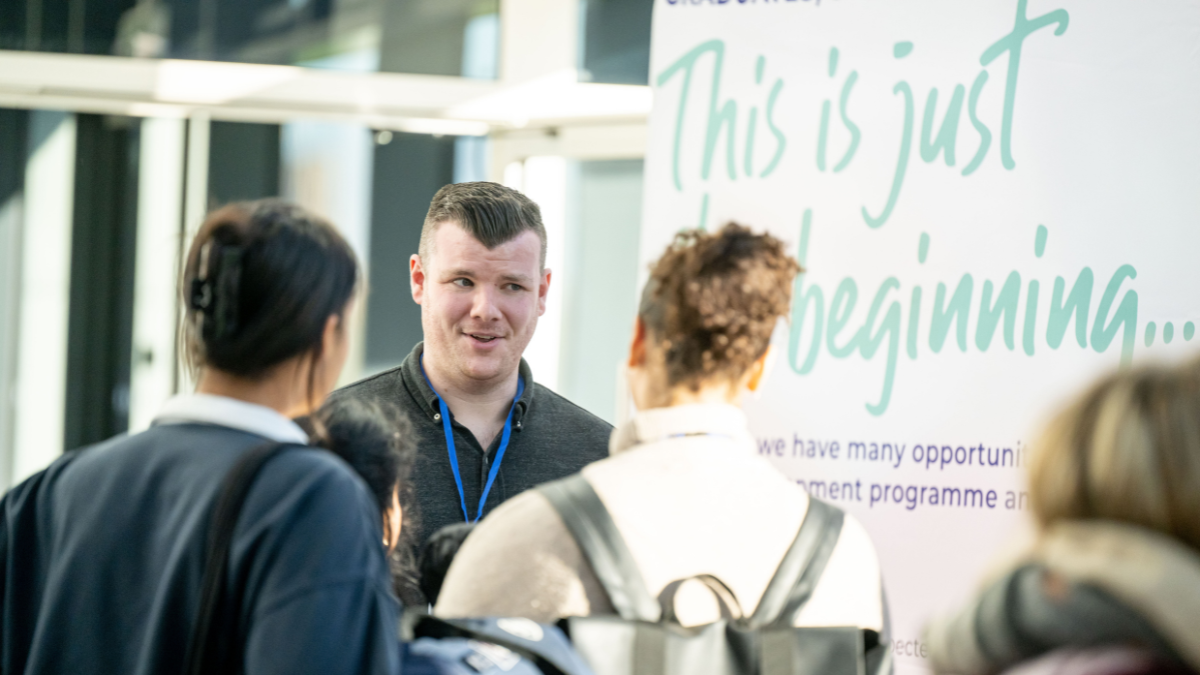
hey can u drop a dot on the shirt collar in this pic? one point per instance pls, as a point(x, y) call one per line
point(230, 412)
point(660, 424)
point(414, 381)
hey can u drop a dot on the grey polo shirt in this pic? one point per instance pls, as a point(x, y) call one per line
point(551, 438)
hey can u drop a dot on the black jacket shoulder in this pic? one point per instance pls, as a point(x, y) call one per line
point(571, 413)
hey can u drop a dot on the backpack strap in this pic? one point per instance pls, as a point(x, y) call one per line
point(590, 523)
point(801, 567)
point(727, 601)
point(210, 649)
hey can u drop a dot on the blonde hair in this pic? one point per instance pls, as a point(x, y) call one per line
point(1128, 450)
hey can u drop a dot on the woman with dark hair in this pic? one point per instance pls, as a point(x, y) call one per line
point(104, 552)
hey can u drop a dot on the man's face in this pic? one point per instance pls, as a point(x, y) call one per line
point(479, 307)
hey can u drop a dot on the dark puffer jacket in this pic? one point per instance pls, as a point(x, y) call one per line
point(1088, 586)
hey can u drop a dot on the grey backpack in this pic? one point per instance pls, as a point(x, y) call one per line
point(645, 637)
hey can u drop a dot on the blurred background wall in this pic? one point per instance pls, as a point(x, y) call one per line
point(122, 122)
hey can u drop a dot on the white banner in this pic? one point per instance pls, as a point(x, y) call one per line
point(995, 202)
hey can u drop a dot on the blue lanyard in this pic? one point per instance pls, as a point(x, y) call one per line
point(449, 431)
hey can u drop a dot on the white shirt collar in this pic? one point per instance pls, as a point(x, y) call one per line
point(659, 424)
point(230, 412)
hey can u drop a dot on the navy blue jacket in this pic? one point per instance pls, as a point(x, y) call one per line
point(101, 557)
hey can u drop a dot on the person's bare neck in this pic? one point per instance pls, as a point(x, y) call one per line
point(279, 391)
point(650, 390)
point(708, 394)
point(480, 405)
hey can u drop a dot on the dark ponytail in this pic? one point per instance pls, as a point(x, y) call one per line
point(260, 282)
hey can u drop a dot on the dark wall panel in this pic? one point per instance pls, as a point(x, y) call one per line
point(14, 136)
point(52, 16)
point(426, 37)
point(243, 162)
point(12, 24)
point(616, 46)
point(408, 171)
point(104, 238)
point(100, 21)
point(14, 131)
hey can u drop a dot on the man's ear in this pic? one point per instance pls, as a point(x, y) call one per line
point(543, 291)
point(416, 278)
point(637, 348)
point(760, 368)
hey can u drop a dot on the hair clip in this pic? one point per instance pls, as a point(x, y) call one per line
point(201, 297)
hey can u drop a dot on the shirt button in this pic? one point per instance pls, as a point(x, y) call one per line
point(437, 417)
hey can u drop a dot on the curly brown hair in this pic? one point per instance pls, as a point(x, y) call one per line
point(713, 300)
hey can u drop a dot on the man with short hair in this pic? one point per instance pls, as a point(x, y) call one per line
point(486, 431)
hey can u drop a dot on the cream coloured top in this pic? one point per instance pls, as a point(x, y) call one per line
point(690, 496)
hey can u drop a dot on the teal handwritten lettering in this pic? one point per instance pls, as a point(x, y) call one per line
point(750, 129)
point(1012, 43)
point(958, 310)
point(724, 117)
point(914, 320)
point(1125, 316)
point(869, 342)
point(901, 161)
point(1031, 303)
point(1076, 306)
point(840, 309)
point(989, 314)
point(759, 67)
point(855, 134)
point(823, 136)
point(948, 133)
point(985, 135)
point(780, 139)
point(800, 304)
point(837, 332)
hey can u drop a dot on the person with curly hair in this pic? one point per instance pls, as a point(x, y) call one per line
point(684, 483)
